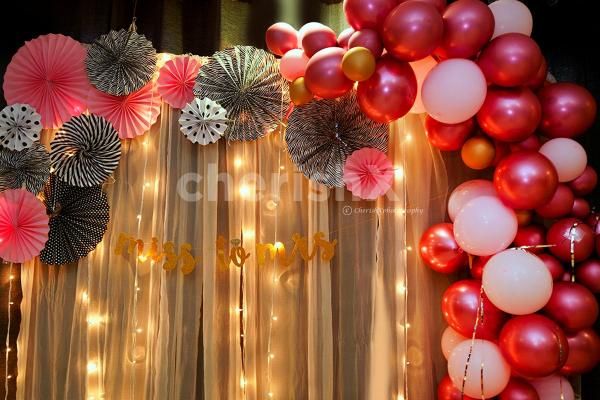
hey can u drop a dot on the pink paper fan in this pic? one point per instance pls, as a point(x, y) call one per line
point(48, 73)
point(176, 80)
point(130, 115)
point(368, 173)
point(23, 226)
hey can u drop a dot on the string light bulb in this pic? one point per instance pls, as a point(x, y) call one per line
point(399, 172)
point(279, 245)
point(92, 367)
point(244, 191)
point(237, 162)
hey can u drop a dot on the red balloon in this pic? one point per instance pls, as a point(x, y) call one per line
point(540, 77)
point(440, 251)
point(581, 208)
point(510, 115)
point(318, 37)
point(369, 39)
point(459, 307)
point(512, 59)
point(477, 266)
point(468, 26)
point(531, 143)
point(413, 30)
point(573, 306)
point(553, 265)
point(584, 352)
point(344, 37)
point(585, 183)
point(525, 180)
point(281, 38)
point(390, 92)
point(439, 4)
point(560, 205)
point(531, 235)
point(588, 274)
point(324, 76)
point(560, 235)
point(447, 391)
point(533, 345)
point(519, 389)
point(568, 110)
point(597, 244)
point(367, 14)
point(502, 150)
point(448, 137)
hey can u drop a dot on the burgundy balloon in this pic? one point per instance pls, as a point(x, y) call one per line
point(281, 38)
point(318, 37)
point(510, 115)
point(324, 76)
point(439, 4)
point(572, 306)
point(531, 235)
point(413, 30)
point(560, 233)
point(531, 143)
point(344, 37)
point(447, 390)
point(468, 26)
point(440, 251)
point(525, 180)
point(367, 14)
point(533, 345)
point(593, 221)
point(560, 205)
point(459, 307)
point(539, 78)
point(585, 183)
point(581, 208)
point(448, 137)
point(568, 110)
point(477, 266)
point(588, 274)
point(584, 352)
point(519, 389)
point(390, 92)
point(598, 245)
point(512, 59)
point(369, 39)
point(554, 266)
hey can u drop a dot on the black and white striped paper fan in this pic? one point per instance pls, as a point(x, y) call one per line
point(246, 82)
point(120, 62)
point(85, 151)
point(29, 168)
point(321, 134)
point(203, 121)
point(78, 221)
point(20, 126)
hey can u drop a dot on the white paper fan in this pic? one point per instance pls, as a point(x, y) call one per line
point(203, 121)
point(20, 126)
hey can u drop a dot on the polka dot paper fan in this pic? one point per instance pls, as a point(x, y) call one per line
point(203, 121)
point(20, 126)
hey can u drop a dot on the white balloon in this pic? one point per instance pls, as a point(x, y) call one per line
point(450, 339)
point(466, 192)
point(553, 387)
point(568, 157)
point(511, 16)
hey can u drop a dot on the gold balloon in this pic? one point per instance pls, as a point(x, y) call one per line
point(478, 153)
point(299, 93)
point(358, 64)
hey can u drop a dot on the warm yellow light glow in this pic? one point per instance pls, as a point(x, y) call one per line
point(271, 356)
point(9, 377)
point(400, 397)
point(84, 296)
point(139, 217)
point(137, 289)
point(92, 367)
point(139, 330)
point(399, 172)
point(8, 349)
point(274, 317)
point(94, 320)
point(11, 277)
point(409, 248)
point(237, 162)
point(147, 184)
point(400, 288)
point(407, 325)
point(249, 234)
point(270, 394)
point(142, 258)
point(242, 382)
point(279, 245)
point(271, 205)
point(244, 191)
point(282, 167)
point(408, 137)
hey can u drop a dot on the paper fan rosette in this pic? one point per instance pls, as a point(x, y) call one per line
point(176, 80)
point(48, 73)
point(321, 134)
point(29, 168)
point(130, 115)
point(78, 221)
point(120, 62)
point(23, 226)
point(203, 121)
point(85, 151)
point(368, 173)
point(20, 127)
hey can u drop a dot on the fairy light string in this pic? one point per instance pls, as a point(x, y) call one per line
point(7, 348)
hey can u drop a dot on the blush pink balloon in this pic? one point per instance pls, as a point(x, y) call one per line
point(485, 226)
point(568, 157)
point(281, 38)
point(293, 64)
point(444, 81)
point(324, 76)
point(553, 387)
point(511, 16)
point(466, 192)
point(368, 14)
point(421, 68)
point(344, 37)
point(451, 339)
point(369, 39)
point(317, 37)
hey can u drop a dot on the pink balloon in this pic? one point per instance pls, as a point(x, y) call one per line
point(293, 64)
point(445, 81)
point(466, 192)
point(317, 37)
point(369, 39)
point(511, 16)
point(344, 37)
point(485, 226)
point(369, 14)
point(324, 76)
point(492, 379)
point(553, 387)
point(567, 156)
point(281, 38)
point(421, 68)
point(451, 339)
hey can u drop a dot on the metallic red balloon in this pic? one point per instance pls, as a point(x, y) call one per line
point(439, 4)
point(519, 389)
point(459, 307)
point(447, 391)
point(588, 274)
point(468, 26)
point(560, 234)
point(367, 14)
point(448, 137)
point(573, 306)
point(477, 266)
point(318, 37)
point(412, 30)
point(440, 251)
point(584, 352)
point(540, 77)
point(533, 345)
point(568, 110)
point(554, 266)
point(581, 208)
point(512, 59)
point(531, 235)
point(525, 180)
point(531, 143)
point(585, 183)
point(281, 38)
point(390, 92)
point(510, 115)
point(324, 76)
point(367, 38)
point(560, 205)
